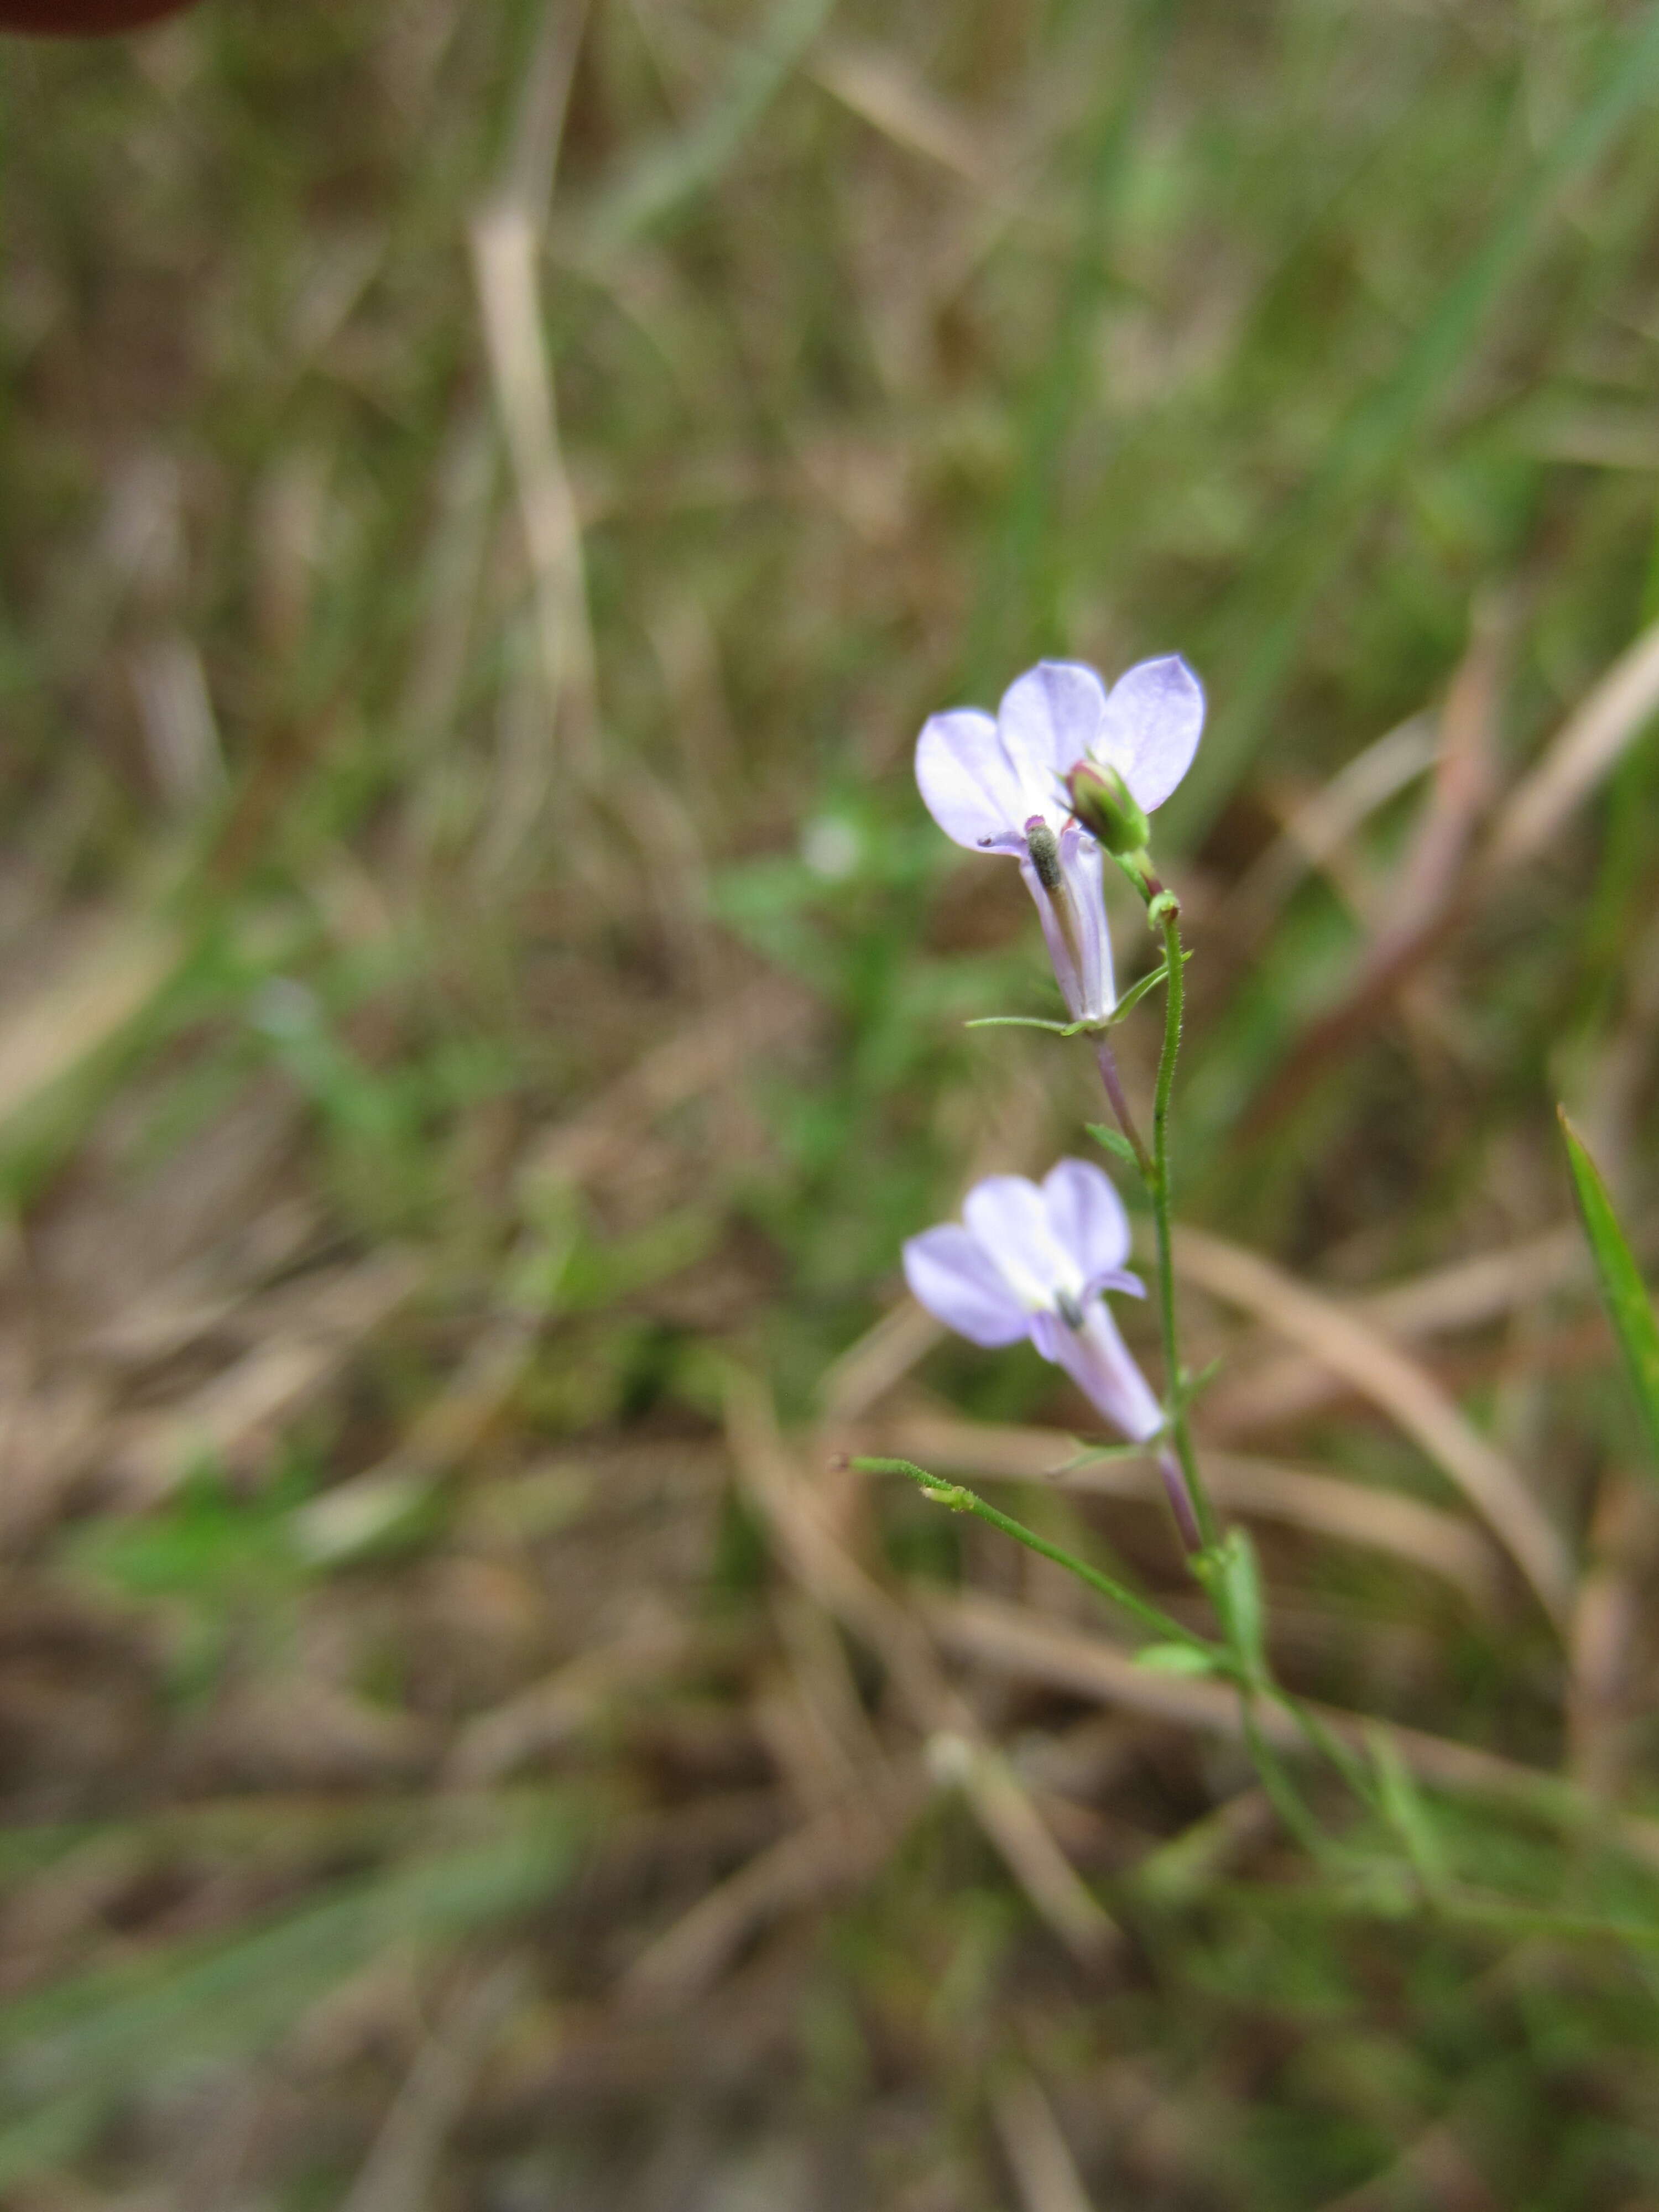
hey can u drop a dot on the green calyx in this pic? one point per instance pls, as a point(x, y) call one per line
point(1102, 802)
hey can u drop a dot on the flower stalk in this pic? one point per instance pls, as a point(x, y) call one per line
point(1160, 1189)
point(1106, 1060)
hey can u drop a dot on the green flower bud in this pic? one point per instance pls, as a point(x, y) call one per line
point(1102, 802)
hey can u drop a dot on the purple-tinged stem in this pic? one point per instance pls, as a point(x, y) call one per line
point(1126, 1121)
point(1181, 1500)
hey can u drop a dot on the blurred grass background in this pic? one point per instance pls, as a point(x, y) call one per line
point(490, 493)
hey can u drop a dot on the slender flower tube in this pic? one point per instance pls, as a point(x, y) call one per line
point(1034, 1260)
point(995, 785)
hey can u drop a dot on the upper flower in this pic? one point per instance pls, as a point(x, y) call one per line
point(985, 780)
point(1030, 1261)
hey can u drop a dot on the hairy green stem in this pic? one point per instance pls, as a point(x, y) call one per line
point(1159, 1189)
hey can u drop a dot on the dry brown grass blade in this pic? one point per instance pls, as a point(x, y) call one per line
point(1422, 902)
point(1319, 827)
point(1403, 1389)
point(707, 1055)
point(1585, 750)
point(1603, 1680)
point(109, 980)
point(1583, 754)
point(1286, 1386)
point(1009, 1815)
point(353, 1514)
point(1323, 1505)
point(882, 1357)
point(994, 1633)
point(1481, 1287)
point(181, 732)
point(399, 2171)
point(231, 1418)
point(1040, 2160)
point(505, 236)
point(796, 1515)
point(829, 1854)
point(1465, 777)
point(539, 1719)
point(880, 86)
point(831, 1739)
point(209, 1292)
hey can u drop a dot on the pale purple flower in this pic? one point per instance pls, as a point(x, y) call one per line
point(994, 786)
point(1033, 1260)
point(998, 786)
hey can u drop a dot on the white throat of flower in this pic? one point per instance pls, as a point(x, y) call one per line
point(1036, 796)
point(1061, 1290)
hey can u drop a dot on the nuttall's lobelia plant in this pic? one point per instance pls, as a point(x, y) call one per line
point(1034, 1260)
point(1066, 772)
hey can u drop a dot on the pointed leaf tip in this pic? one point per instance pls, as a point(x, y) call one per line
point(1624, 1294)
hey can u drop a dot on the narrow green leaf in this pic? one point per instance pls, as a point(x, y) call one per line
point(105, 2031)
point(1403, 1808)
point(48, 2136)
point(1115, 1143)
point(1092, 1454)
point(1175, 1659)
point(676, 170)
point(1023, 1022)
point(1136, 991)
point(1625, 1295)
point(1234, 1582)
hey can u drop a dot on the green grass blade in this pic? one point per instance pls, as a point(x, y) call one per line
point(1622, 1288)
point(668, 174)
point(45, 2138)
point(1328, 514)
point(72, 2053)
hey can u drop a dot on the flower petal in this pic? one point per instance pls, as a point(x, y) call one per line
point(951, 1275)
point(1052, 715)
point(969, 788)
point(1154, 713)
point(1007, 1215)
point(1087, 1218)
point(1103, 1368)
